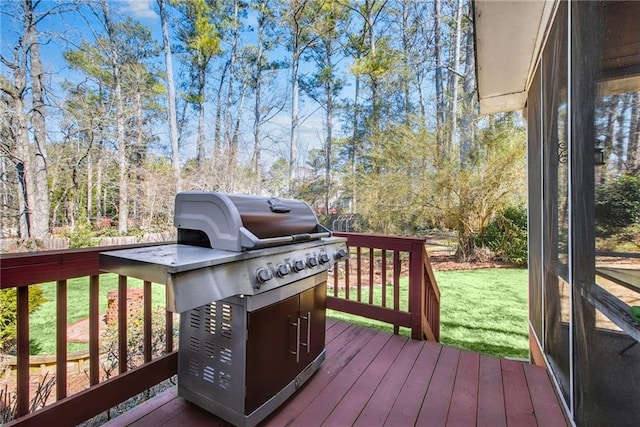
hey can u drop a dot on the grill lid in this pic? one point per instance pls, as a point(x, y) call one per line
point(236, 222)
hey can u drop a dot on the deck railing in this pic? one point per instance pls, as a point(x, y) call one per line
point(388, 279)
point(399, 259)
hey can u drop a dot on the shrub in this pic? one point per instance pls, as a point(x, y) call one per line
point(9, 314)
point(82, 237)
point(506, 235)
point(618, 203)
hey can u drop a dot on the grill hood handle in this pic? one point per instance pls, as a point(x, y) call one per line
point(277, 206)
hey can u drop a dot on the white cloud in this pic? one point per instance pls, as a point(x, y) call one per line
point(138, 8)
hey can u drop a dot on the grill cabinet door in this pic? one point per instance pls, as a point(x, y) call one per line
point(270, 362)
point(282, 342)
point(313, 303)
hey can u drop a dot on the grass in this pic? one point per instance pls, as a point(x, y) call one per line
point(485, 311)
point(481, 310)
point(42, 323)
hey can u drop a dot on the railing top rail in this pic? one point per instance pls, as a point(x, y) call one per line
point(381, 242)
point(27, 268)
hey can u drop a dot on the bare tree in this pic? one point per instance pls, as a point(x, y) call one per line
point(171, 95)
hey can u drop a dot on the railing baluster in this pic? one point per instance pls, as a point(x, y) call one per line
point(23, 351)
point(147, 321)
point(168, 332)
point(94, 330)
point(336, 271)
point(384, 277)
point(347, 266)
point(61, 339)
point(359, 272)
point(370, 275)
point(122, 324)
point(396, 286)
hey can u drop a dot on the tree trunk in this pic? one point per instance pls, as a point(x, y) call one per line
point(633, 152)
point(171, 95)
point(123, 195)
point(39, 205)
point(439, 81)
point(200, 154)
point(454, 78)
point(293, 142)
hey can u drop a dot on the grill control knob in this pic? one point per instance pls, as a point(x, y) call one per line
point(263, 274)
point(312, 261)
point(341, 254)
point(282, 270)
point(324, 258)
point(298, 266)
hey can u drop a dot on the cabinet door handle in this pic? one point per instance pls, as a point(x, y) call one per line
point(308, 332)
point(297, 352)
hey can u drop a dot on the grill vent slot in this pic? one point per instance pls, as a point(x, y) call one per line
point(227, 317)
point(210, 323)
point(224, 380)
point(194, 319)
point(208, 374)
point(194, 367)
point(194, 344)
point(225, 356)
point(210, 349)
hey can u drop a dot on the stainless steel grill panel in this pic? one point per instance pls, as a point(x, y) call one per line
point(240, 258)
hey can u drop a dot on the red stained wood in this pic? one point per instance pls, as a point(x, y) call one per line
point(385, 395)
point(464, 401)
point(435, 409)
point(23, 351)
point(94, 330)
point(61, 339)
point(370, 275)
point(370, 311)
point(168, 318)
point(88, 403)
point(122, 324)
point(352, 338)
point(374, 240)
point(401, 382)
point(384, 278)
point(405, 411)
point(491, 412)
point(543, 397)
point(316, 412)
point(359, 273)
point(519, 409)
point(396, 285)
point(146, 336)
point(24, 269)
point(348, 409)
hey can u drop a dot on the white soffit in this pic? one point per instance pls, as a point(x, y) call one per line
point(509, 35)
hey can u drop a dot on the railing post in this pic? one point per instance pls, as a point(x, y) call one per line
point(94, 330)
point(61, 339)
point(122, 324)
point(416, 290)
point(22, 405)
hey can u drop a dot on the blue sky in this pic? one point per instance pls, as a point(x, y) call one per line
point(65, 31)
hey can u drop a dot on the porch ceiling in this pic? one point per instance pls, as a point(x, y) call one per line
point(509, 35)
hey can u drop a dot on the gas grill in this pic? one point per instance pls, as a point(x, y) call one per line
point(248, 276)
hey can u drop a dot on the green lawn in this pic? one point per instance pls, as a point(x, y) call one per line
point(42, 323)
point(480, 310)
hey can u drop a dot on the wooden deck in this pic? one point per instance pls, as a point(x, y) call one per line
point(372, 378)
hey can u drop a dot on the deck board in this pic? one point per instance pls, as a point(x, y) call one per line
point(380, 404)
point(405, 411)
point(372, 378)
point(464, 400)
